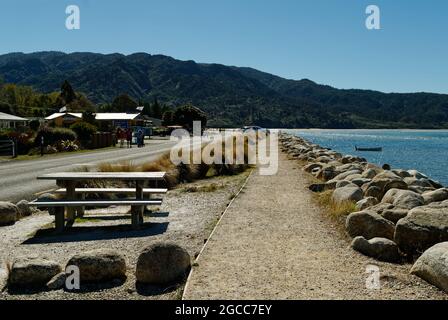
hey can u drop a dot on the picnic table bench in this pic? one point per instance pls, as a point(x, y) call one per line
point(74, 200)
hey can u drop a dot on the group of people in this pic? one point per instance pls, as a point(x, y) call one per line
point(125, 136)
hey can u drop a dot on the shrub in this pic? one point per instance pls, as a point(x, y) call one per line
point(24, 140)
point(34, 125)
point(337, 210)
point(84, 130)
point(67, 146)
point(54, 135)
point(185, 115)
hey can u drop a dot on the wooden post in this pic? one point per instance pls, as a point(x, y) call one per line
point(139, 196)
point(59, 219)
point(71, 195)
point(81, 210)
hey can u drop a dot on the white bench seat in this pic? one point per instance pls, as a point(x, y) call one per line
point(93, 203)
point(60, 205)
point(114, 190)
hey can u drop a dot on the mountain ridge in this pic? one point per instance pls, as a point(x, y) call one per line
point(231, 95)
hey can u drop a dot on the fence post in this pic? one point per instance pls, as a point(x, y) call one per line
point(42, 146)
point(14, 148)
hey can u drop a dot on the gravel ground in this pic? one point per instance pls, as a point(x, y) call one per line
point(185, 218)
point(275, 243)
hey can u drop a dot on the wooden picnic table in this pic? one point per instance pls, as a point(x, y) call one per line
point(69, 180)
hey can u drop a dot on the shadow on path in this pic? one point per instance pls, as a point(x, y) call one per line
point(94, 233)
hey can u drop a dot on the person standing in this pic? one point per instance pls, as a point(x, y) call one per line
point(129, 137)
point(140, 138)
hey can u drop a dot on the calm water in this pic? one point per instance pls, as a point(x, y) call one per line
point(425, 151)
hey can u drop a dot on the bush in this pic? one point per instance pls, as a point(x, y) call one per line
point(34, 125)
point(24, 140)
point(185, 115)
point(67, 146)
point(54, 135)
point(84, 130)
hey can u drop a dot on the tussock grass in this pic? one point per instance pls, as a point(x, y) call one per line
point(125, 166)
point(336, 210)
point(177, 174)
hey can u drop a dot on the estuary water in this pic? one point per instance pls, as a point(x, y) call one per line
point(423, 150)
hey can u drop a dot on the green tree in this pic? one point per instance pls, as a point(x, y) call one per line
point(89, 117)
point(156, 109)
point(80, 104)
point(147, 111)
point(185, 115)
point(124, 103)
point(167, 118)
point(34, 125)
point(67, 92)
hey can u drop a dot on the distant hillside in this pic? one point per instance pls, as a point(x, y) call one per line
point(231, 96)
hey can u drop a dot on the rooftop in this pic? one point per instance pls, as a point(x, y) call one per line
point(98, 116)
point(10, 117)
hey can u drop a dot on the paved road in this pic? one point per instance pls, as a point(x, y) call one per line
point(18, 178)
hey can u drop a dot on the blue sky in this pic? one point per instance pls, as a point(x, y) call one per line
point(322, 40)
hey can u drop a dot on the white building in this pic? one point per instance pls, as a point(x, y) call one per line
point(8, 121)
point(120, 119)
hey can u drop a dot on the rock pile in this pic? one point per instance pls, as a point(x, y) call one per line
point(400, 212)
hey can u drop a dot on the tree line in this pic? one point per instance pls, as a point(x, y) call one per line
point(26, 102)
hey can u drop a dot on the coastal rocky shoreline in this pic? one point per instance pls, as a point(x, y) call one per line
point(401, 215)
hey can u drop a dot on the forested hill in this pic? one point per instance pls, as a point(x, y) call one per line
point(231, 96)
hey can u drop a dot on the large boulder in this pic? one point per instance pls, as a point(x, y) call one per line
point(32, 272)
point(432, 266)
point(379, 248)
point(326, 173)
point(346, 174)
point(418, 175)
point(366, 203)
point(351, 193)
point(387, 180)
point(353, 177)
point(344, 183)
point(403, 198)
point(318, 187)
point(162, 263)
point(369, 224)
point(401, 173)
point(414, 182)
point(57, 282)
point(373, 191)
point(8, 213)
point(310, 167)
point(361, 181)
point(394, 214)
point(423, 227)
point(24, 208)
point(349, 159)
point(369, 173)
point(99, 265)
point(435, 196)
point(389, 211)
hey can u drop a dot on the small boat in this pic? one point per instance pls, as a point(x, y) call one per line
point(377, 149)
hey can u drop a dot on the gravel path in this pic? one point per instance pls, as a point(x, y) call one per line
point(186, 218)
point(275, 243)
